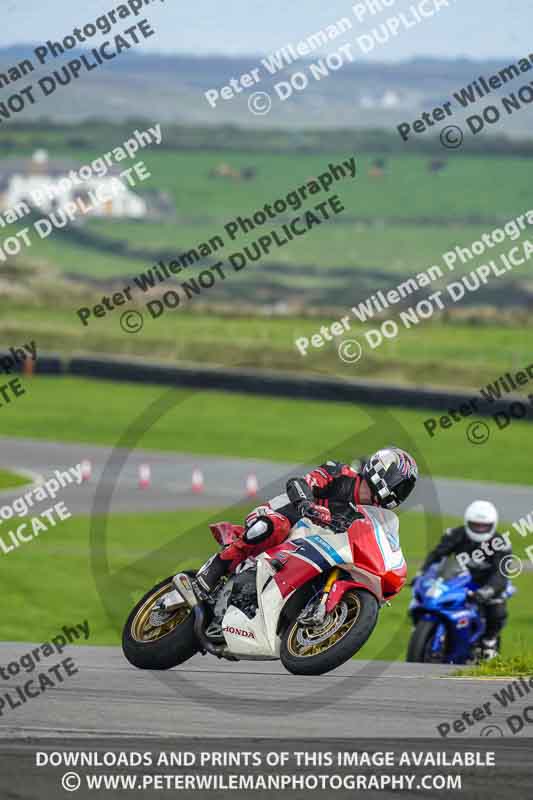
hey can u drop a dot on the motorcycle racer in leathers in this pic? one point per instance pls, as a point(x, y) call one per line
point(330, 490)
point(476, 535)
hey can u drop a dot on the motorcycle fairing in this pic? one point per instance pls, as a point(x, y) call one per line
point(257, 637)
point(445, 603)
point(226, 533)
point(309, 551)
point(303, 558)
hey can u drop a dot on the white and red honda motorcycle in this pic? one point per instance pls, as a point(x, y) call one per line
point(311, 602)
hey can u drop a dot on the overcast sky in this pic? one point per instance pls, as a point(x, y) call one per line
point(472, 28)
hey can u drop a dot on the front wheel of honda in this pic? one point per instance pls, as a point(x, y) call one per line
point(318, 648)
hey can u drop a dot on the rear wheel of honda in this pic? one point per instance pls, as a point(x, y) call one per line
point(318, 648)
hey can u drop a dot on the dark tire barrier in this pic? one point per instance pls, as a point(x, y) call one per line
point(282, 384)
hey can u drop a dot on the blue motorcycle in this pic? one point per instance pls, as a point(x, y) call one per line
point(448, 621)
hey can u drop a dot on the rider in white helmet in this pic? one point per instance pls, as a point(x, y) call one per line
point(481, 519)
point(479, 533)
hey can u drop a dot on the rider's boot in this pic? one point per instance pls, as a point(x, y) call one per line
point(489, 649)
point(209, 576)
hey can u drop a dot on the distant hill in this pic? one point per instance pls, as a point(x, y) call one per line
point(170, 88)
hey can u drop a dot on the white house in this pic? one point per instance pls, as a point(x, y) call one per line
point(45, 184)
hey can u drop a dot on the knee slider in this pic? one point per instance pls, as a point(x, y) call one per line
point(258, 531)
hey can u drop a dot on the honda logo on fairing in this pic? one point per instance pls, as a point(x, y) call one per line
point(240, 632)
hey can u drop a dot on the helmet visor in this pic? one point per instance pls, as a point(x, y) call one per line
point(480, 527)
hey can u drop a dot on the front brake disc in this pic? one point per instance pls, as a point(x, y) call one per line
point(306, 637)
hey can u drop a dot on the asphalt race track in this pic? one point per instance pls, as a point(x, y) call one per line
point(210, 698)
point(225, 480)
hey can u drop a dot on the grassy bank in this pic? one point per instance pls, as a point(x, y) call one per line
point(435, 353)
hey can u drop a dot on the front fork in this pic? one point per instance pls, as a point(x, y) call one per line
point(320, 614)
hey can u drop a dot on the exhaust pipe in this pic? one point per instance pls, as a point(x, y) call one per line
point(183, 585)
point(218, 650)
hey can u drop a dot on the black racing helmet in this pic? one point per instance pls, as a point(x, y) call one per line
point(391, 474)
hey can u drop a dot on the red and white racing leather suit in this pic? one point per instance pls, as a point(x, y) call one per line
point(332, 485)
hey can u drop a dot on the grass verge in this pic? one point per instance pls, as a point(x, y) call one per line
point(272, 428)
point(501, 667)
point(10, 480)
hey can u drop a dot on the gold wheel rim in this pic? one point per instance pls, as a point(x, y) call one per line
point(142, 630)
point(338, 631)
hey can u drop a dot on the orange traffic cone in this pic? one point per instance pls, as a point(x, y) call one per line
point(197, 481)
point(86, 470)
point(251, 485)
point(144, 476)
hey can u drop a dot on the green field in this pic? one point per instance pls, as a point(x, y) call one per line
point(396, 224)
point(77, 584)
point(247, 426)
point(407, 190)
point(383, 246)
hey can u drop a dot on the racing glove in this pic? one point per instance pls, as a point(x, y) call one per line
point(319, 514)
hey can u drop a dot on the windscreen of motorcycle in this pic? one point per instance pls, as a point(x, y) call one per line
point(387, 533)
